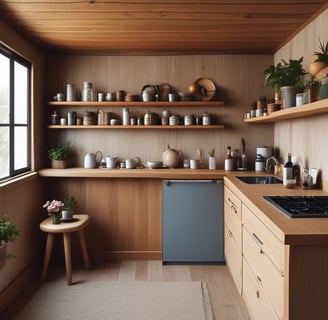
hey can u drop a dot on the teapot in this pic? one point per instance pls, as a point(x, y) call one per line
point(171, 158)
point(90, 159)
point(132, 163)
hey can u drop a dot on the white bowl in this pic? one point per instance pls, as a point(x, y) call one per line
point(154, 164)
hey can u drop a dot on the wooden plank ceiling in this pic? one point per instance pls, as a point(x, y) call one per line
point(160, 26)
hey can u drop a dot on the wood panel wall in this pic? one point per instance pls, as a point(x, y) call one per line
point(239, 81)
point(305, 138)
point(22, 200)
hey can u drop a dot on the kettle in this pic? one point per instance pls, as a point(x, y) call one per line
point(90, 159)
point(171, 158)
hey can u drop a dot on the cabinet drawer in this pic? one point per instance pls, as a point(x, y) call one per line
point(258, 306)
point(232, 221)
point(232, 202)
point(268, 243)
point(233, 258)
point(265, 272)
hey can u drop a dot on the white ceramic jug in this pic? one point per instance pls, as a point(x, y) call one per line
point(90, 160)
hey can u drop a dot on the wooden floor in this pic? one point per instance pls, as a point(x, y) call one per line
point(225, 300)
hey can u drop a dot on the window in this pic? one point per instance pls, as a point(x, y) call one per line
point(15, 130)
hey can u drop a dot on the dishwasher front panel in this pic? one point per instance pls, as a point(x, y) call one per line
point(193, 227)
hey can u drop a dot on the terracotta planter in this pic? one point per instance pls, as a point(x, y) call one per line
point(313, 94)
point(59, 164)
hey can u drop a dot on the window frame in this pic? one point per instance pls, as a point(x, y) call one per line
point(15, 58)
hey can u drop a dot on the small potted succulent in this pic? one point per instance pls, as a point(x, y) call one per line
point(311, 87)
point(211, 159)
point(59, 155)
point(70, 204)
point(9, 232)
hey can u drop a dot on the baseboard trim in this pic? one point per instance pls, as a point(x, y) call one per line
point(29, 276)
point(125, 255)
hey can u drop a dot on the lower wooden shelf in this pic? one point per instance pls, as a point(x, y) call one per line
point(138, 127)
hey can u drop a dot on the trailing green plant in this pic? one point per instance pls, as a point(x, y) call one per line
point(60, 151)
point(9, 232)
point(284, 74)
point(322, 55)
point(70, 203)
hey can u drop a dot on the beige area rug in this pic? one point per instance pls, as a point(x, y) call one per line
point(119, 301)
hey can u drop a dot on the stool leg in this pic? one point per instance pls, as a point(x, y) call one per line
point(68, 257)
point(50, 241)
point(84, 249)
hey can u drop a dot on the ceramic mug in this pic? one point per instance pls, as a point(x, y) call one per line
point(194, 164)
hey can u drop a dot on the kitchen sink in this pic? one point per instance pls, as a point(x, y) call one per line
point(260, 179)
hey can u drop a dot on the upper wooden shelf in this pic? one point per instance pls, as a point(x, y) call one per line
point(306, 110)
point(136, 103)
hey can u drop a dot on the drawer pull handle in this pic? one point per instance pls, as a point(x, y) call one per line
point(230, 234)
point(259, 280)
point(257, 239)
point(257, 294)
point(232, 205)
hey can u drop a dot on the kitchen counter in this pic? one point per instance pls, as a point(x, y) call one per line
point(178, 173)
point(290, 231)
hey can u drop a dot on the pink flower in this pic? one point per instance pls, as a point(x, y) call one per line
point(53, 206)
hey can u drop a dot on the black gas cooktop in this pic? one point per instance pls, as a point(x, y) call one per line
point(301, 207)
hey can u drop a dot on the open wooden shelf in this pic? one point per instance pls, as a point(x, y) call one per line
point(306, 110)
point(138, 127)
point(97, 104)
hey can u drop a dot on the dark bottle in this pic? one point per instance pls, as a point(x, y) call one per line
point(55, 118)
point(288, 172)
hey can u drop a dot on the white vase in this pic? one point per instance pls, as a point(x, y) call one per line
point(67, 215)
point(211, 163)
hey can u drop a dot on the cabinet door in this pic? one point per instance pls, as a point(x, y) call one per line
point(265, 272)
point(272, 247)
point(233, 258)
point(233, 236)
point(233, 203)
point(258, 306)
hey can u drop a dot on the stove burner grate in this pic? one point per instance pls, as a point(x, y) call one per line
point(301, 206)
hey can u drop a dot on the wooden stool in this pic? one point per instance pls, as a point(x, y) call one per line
point(66, 228)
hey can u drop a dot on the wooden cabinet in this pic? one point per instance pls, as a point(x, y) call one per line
point(115, 107)
point(255, 258)
point(233, 236)
point(258, 305)
point(125, 215)
point(264, 256)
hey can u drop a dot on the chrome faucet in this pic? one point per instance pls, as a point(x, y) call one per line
point(268, 167)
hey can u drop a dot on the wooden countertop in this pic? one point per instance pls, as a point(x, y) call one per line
point(291, 231)
point(178, 173)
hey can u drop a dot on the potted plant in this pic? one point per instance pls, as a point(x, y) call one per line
point(285, 78)
point(8, 233)
point(211, 159)
point(311, 87)
point(70, 204)
point(54, 208)
point(318, 68)
point(59, 155)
